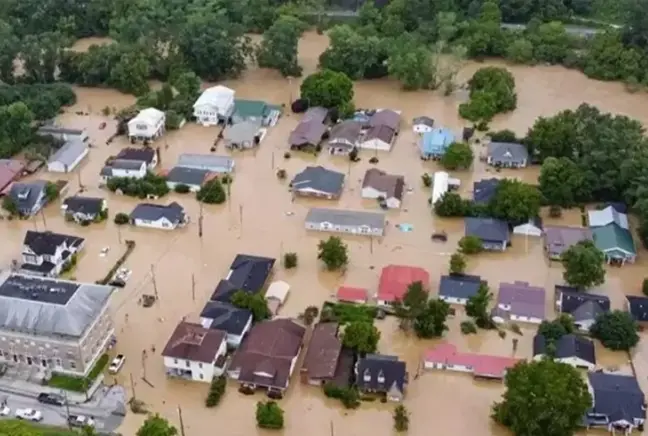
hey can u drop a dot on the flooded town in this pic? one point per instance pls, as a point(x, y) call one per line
point(262, 217)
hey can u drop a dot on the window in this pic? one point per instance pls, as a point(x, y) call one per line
point(175, 361)
point(188, 364)
point(29, 360)
point(201, 376)
point(72, 364)
point(200, 365)
point(58, 362)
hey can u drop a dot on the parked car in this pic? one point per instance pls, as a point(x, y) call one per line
point(53, 399)
point(5, 411)
point(29, 414)
point(81, 421)
point(116, 364)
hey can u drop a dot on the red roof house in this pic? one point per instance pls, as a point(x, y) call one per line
point(395, 279)
point(446, 356)
point(10, 170)
point(352, 295)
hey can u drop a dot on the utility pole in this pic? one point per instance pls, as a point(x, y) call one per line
point(241, 217)
point(79, 179)
point(371, 245)
point(193, 287)
point(155, 290)
point(182, 429)
point(132, 383)
point(200, 222)
point(67, 409)
point(143, 364)
point(332, 430)
point(272, 160)
point(119, 234)
point(43, 216)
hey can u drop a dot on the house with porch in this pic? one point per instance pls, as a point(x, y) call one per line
point(459, 288)
point(215, 105)
point(354, 222)
point(68, 157)
point(571, 349)
point(618, 402)
point(29, 197)
point(507, 155)
point(611, 234)
point(344, 137)
point(493, 233)
point(582, 306)
point(84, 209)
point(519, 302)
point(434, 143)
point(389, 189)
point(159, 216)
point(234, 321)
point(148, 125)
point(318, 182)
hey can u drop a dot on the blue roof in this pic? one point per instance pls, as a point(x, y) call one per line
point(618, 397)
point(487, 229)
point(484, 190)
point(226, 317)
point(459, 285)
point(436, 141)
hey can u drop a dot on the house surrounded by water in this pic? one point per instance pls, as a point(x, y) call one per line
point(215, 105)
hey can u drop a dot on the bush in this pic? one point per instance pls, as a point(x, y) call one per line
point(79, 384)
point(427, 180)
point(349, 396)
point(468, 328)
point(149, 185)
point(181, 188)
point(121, 219)
point(644, 287)
point(212, 192)
point(269, 415)
point(290, 260)
point(216, 391)
point(555, 211)
point(281, 174)
point(470, 245)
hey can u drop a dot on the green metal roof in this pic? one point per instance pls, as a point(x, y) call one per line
point(611, 238)
point(251, 108)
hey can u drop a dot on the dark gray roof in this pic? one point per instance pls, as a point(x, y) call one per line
point(618, 397)
point(123, 164)
point(568, 346)
point(27, 194)
point(459, 285)
point(247, 273)
point(319, 179)
point(385, 117)
point(348, 130)
point(153, 212)
point(307, 133)
point(571, 299)
point(484, 190)
point(187, 175)
point(393, 370)
point(638, 307)
point(487, 229)
point(145, 154)
point(226, 317)
point(507, 152)
point(589, 310)
point(85, 205)
point(427, 121)
point(45, 243)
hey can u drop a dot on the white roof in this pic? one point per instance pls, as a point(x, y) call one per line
point(439, 185)
point(278, 290)
point(150, 116)
point(219, 96)
point(599, 218)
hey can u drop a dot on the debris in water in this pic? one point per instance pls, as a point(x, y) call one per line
point(405, 227)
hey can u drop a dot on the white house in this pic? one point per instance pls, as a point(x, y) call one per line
point(214, 105)
point(123, 168)
point(148, 125)
point(47, 253)
point(379, 138)
point(519, 302)
point(573, 350)
point(158, 216)
point(422, 125)
point(389, 188)
point(195, 353)
point(346, 221)
point(63, 133)
point(68, 156)
point(84, 209)
point(440, 185)
point(531, 228)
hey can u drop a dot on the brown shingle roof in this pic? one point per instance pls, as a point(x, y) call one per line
point(392, 186)
point(384, 133)
point(385, 117)
point(307, 132)
point(10, 169)
point(191, 341)
point(348, 130)
point(323, 352)
point(269, 348)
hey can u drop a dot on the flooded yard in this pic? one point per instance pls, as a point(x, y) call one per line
point(261, 218)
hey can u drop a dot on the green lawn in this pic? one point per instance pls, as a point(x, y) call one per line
point(15, 427)
point(345, 313)
point(79, 384)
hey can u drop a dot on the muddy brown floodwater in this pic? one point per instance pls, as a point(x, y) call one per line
point(255, 220)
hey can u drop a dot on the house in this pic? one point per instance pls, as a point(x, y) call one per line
point(381, 374)
point(159, 216)
point(195, 353)
point(63, 133)
point(210, 162)
point(191, 177)
point(214, 105)
point(618, 402)
point(318, 182)
point(557, 239)
point(276, 295)
point(445, 356)
point(10, 171)
point(243, 135)
point(230, 319)
point(433, 144)
point(604, 217)
point(256, 111)
point(493, 233)
point(388, 188)
point(247, 273)
point(344, 137)
point(46, 253)
point(616, 243)
point(422, 124)
point(519, 302)
point(348, 294)
point(582, 306)
point(346, 221)
point(268, 356)
point(531, 228)
point(322, 355)
point(148, 125)
point(507, 155)
point(135, 169)
point(484, 190)
point(311, 129)
point(59, 326)
point(378, 138)
point(29, 197)
point(459, 288)
point(395, 279)
point(574, 350)
point(144, 154)
point(84, 209)
point(440, 185)
point(385, 117)
point(68, 156)
point(638, 307)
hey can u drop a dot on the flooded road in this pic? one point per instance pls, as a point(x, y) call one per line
point(255, 220)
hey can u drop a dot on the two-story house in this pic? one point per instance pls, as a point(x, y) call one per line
point(47, 253)
point(381, 374)
point(84, 209)
point(215, 105)
point(29, 197)
point(123, 168)
point(148, 125)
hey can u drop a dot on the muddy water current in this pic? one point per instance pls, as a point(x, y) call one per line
point(261, 218)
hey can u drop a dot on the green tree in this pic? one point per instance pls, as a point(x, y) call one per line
point(333, 252)
point(556, 329)
point(607, 58)
point(483, 36)
point(457, 263)
point(10, 206)
point(269, 415)
point(130, 73)
point(477, 307)
point(458, 155)
point(11, 427)
point(450, 205)
point(51, 192)
point(533, 385)
point(255, 303)
point(186, 84)
point(216, 391)
point(431, 323)
point(492, 89)
point(278, 50)
point(15, 128)
point(411, 63)
point(212, 192)
point(470, 245)
point(551, 43)
point(520, 51)
point(562, 182)
point(121, 219)
point(349, 52)
point(401, 418)
point(290, 260)
point(584, 265)
point(155, 425)
point(616, 330)
point(515, 201)
point(412, 305)
point(644, 287)
point(329, 89)
point(361, 336)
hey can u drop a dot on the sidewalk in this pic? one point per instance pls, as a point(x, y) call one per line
point(25, 388)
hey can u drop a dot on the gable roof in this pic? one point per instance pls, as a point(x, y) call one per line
point(612, 237)
point(523, 299)
point(348, 130)
point(246, 109)
point(381, 132)
point(150, 116)
point(609, 215)
point(436, 140)
point(193, 342)
point(122, 164)
point(226, 317)
point(153, 212)
point(315, 113)
point(387, 118)
point(559, 238)
point(587, 311)
point(46, 243)
point(423, 120)
point(27, 194)
point(247, 273)
point(69, 152)
point(323, 352)
point(569, 345)
point(145, 154)
point(395, 279)
point(616, 396)
point(187, 176)
point(638, 307)
point(318, 179)
point(393, 370)
point(341, 217)
point(487, 229)
point(351, 294)
point(85, 205)
point(218, 96)
point(507, 152)
point(484, 190)
point(245, 131)
point(571, 299)
point(392, 185)
point(307, 132)
point(459, 285)
point(10, 169)
point(483, 365)
point(211, 162)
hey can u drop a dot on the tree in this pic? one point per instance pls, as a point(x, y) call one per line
point(450, 205)
point(412, 305)
point(458, 155)
point(563, 183)
point(173, 120)
point(157, 426)
point(333, 252)
point(584, 265)
point(520, 51)
point(492, 91)
point(477, 306)
point(290, 260)
point(186, 84)
point(329, 89)
point(279, 47)
point(269, 415)
point(457, 263)
point(531, 386)
point(121, 218)
point(10, 206)
point(411, 63)
point(515, 202)
point(644, 287)
point(556, 329)
point(358, 56)
point(470, 245)
point(349, 396)
point(216, 391)
point(255, 303)
point(401, 418)
point(131, 72)
point(361, 336)
point(616, 330)
point(431, 323)
point(212, 192)
point(181, 188)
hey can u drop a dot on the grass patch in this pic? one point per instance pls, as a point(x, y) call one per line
point(79, 384)
point(130, 246)
point(345, 313)
point(18, 427)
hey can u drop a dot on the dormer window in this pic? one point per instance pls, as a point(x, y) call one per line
point(366, 376)
point(381, 377)
point(23, 195)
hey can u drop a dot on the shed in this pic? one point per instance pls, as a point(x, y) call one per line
point(531, 228)
point(276, 295)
